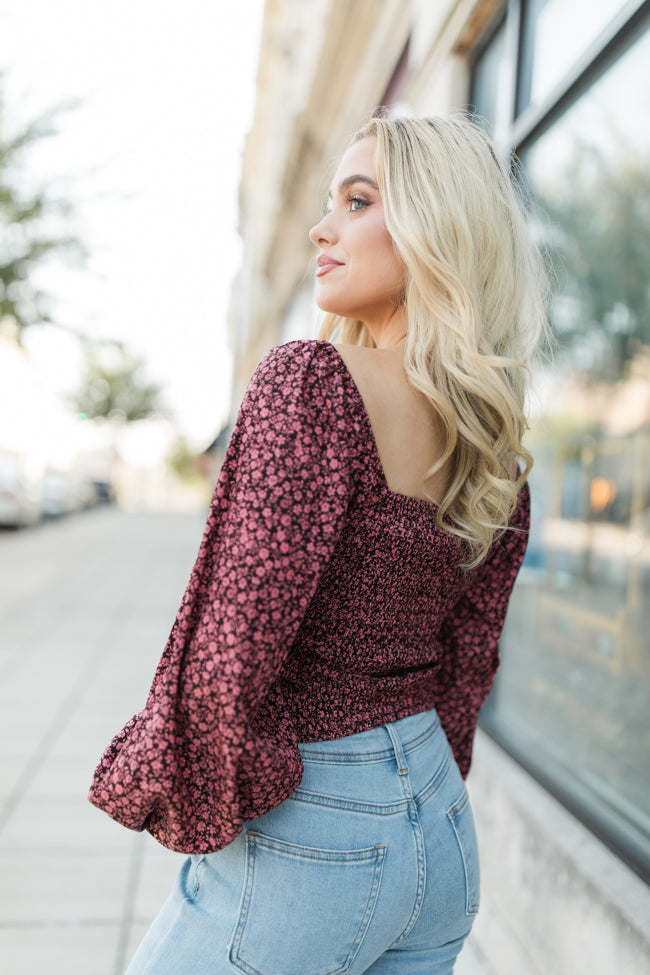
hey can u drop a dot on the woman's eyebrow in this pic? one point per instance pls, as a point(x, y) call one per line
point(355, 178)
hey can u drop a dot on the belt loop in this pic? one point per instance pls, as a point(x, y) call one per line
point(400, 757)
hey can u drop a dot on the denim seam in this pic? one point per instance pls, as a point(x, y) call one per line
point(416, 831)
point(344, 758)
point(352, 805)
point(422, 739)
point(371, 904)
point(418, 838)
point(310, 853)
point(383, 755)
point(434, 784)
point(453, 813)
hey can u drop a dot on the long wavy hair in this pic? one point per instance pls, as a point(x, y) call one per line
point(475, 299)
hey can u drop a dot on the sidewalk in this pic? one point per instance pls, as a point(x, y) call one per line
point(86, 607)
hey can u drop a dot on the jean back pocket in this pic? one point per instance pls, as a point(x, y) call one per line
point(304, 911)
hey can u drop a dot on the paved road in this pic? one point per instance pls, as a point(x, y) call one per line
point(86, 605)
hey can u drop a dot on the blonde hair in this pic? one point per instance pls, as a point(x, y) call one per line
point(474, 296)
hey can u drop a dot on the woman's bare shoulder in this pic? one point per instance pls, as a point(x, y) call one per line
point(372, 369)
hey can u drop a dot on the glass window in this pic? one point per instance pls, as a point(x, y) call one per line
point(554, 35)
point(575, 680)
point(488, 79)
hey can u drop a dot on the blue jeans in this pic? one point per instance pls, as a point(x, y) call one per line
point(369, 866)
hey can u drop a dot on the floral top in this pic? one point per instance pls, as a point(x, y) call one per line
point(321, 604)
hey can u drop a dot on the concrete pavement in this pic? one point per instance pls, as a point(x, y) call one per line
point(86, 605)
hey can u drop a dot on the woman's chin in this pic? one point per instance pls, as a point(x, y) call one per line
point(331, 307)
point(328, 307)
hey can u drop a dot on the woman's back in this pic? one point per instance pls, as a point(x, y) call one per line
point(409, 435)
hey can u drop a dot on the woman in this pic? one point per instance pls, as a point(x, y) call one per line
point(311, 720)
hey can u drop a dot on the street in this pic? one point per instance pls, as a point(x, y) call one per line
point(86, 605)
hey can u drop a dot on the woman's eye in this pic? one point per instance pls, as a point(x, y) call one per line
point(357, 203)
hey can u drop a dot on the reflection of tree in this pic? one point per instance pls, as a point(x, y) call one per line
point(596, 225)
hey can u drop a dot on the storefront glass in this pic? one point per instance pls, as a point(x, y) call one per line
point(574, 687)
point(555, 34)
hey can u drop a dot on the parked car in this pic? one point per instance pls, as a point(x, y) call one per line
point(65, 492)
point(21, 491)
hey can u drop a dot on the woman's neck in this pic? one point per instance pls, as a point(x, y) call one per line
point(390, 333)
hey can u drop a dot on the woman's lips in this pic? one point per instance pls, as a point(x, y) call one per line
point(326, 264)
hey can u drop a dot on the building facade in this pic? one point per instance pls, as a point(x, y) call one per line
point(561, 781)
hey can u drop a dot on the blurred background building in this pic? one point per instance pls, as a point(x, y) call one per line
point(561, 777)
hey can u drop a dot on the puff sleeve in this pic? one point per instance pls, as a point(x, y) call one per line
point(190, 767)
point(470, 635)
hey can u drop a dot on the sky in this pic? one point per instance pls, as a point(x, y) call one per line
point(150, 157)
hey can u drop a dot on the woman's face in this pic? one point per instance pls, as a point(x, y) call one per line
point(359, 274)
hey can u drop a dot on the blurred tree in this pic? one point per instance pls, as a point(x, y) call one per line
point(112, 387)
point(181, 460)
point(31, 225)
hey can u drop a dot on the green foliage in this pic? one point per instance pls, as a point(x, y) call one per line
point(596, 225)
point(113, 387)
point(181, 460)
point(32, 225)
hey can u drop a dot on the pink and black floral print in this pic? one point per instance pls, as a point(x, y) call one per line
point(321, 604)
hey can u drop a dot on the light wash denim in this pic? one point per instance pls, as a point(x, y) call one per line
point(369, 866)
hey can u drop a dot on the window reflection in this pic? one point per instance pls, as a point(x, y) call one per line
point(555, 33)
point(576, 674)
point(489, 80)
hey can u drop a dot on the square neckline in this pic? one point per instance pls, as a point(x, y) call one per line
point(408, 500)
point(408, 503)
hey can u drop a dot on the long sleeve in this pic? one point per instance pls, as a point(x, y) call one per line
point(470, 635)
point(190, 767)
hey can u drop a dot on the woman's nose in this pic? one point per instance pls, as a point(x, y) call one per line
point(323, 232)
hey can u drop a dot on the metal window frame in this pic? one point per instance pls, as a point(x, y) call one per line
point(630, 21)
point(514, 134)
